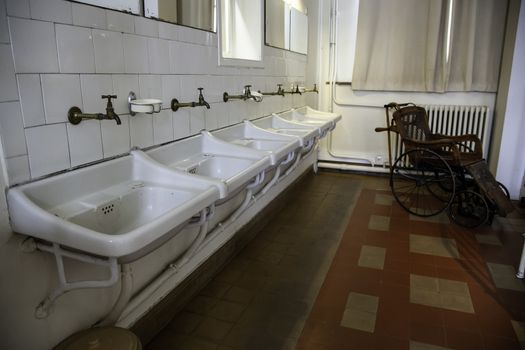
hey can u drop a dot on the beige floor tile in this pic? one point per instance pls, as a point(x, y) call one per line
point(456, 303)
point(441, 218)
point(439, 246)
point(414, 345)
point(379, 222)
point(425, 283)
point(360, 320)
point(362, 302)
point(383, 199)
point(423, 297)
point(488, 239)
point(453, 287)
point(504, 276)
point(441, 293)
point(239, 295)
point(227, 311)
point(372, 257)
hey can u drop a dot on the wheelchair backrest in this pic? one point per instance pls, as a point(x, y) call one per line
point(412, 123)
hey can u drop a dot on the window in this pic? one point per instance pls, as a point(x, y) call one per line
point(241, 32)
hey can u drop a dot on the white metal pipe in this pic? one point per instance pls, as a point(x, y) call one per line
point(270, 184)
point(126, 288)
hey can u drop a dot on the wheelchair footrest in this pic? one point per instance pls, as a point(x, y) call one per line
point(490, 187)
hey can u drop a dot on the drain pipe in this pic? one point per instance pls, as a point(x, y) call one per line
point(126, 288)
point(521, 269)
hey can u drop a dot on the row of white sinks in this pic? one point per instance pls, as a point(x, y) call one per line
point(130, 205)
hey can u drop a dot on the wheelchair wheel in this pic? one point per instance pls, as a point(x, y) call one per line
point(469, 209)
point(422, 182)
point(504, 189)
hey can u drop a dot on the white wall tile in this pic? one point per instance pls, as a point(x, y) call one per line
point(136, 54)
point(47, 149)
point(12, 129)
point(141, 130)
point(34, 46)
point(170, 89)
point(109, 51)
point(18, 169)
point(147, 27)
point(93, 87)
point(60, 92)
point(150, 86)
point(162, 127)
point(122, 85)
point(31, 99)
point(85, 142)
point(210, 116)
point(115, 138)
point(188, 88)
point(222, 114)
point(189, 59)
point(191, 35)
point(4, 31)
point(51, 10)
point(168, 31)
point(18, 8)
point(7, 74)
point(181, 123)
point(159, 56)
point(214, 88)
point(75, 49)
point(89, 16)
point(120, 22)
point(197, 120)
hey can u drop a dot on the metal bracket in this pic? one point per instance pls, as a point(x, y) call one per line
point(42, 310)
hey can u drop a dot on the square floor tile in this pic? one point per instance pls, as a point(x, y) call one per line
point(439, 246)
point(488, 238)
point(362, 302)
point(440, 293)
point(213, 329)
point(372, 257)
point(504, 276)
point(383, 199)
point(441, 218)
point(360, 320)
point(379, 222)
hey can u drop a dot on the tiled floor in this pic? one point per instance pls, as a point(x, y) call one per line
point(344, 267)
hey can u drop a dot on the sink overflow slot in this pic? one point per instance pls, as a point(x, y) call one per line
point(108, 208)
point(192, 170)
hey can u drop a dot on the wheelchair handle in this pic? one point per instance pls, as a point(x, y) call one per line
point(381, 129)
point(394, 104)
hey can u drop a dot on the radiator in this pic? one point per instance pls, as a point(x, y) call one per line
point(456, 120)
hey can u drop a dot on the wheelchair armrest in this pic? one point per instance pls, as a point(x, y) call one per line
point(461, 138)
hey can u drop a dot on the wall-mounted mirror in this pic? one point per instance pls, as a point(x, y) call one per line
point(192, 13)
point(132, 6)
point(286, 25)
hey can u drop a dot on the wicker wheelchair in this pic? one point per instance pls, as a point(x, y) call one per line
point(438, 172)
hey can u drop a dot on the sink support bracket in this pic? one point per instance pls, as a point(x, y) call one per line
point(42, 310)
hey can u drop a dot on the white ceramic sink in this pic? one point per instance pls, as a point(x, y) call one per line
point(308, 116)
point(276, 124)
point(122, 208)
point(227, 165)
point(277, 146)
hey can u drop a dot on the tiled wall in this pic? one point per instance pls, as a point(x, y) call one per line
point(55, 54)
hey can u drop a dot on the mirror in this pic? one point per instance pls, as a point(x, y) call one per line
point(286, 25)
point(192, 13)
point(132, 6)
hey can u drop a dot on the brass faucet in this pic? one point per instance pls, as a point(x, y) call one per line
point(75, 115)
point(295, 90)
point(175, 104)
point(280, 91)
point(245, 96)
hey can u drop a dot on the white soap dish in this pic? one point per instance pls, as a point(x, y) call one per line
point(147, 105)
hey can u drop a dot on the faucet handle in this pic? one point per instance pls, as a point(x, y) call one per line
point(200, 90)
point(109, 97)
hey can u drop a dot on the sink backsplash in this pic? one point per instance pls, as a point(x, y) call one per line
point(67, 54)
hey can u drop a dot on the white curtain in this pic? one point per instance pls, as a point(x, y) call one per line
point(428, 45)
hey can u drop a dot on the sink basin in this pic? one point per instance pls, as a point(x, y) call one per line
point(226, 165)
point(308, 116)
point(123, 208)
point(276, 145)
point(276, 124)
